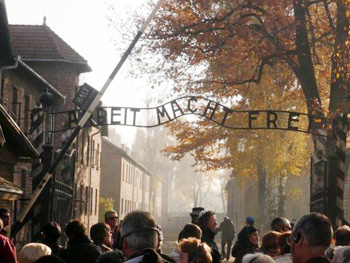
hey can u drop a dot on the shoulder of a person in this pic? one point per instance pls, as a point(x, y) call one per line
point(318, 260)
point(135, 260)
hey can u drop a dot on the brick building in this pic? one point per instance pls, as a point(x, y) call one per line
point(126, 181)
point(39, 61)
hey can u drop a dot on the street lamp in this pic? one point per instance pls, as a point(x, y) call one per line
point(46, 99)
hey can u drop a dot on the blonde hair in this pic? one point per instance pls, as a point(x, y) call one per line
point(32, 252)
point(197, 251)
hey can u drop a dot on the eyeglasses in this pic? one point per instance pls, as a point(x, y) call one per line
point(114, 218)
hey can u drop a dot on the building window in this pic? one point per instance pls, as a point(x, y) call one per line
point(86, 199)
point(123, 171)
point(87, 150)
point(97, 155)
point(81, 198)
point(82, 147)
point(92, 153)
point(26, 114)
point(15, 106)
point(91, 200)
point(96, 201)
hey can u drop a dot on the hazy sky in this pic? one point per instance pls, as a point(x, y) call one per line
point(83, 24)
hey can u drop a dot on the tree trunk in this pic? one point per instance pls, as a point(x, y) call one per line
point(305, 70)
point(282, 196)
point(261, 191)
point(339, 87)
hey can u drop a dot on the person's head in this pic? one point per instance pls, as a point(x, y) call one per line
point(138, 231)
point(252, 235)
point(100, 233)
point(195, 213)
point(342, 236)
point(270, 243)
point(250, 221)
point(74, 229)
point(192, 250)
point(5, 216)
point(311, 236)
point(277, 224)
point(190, 230)
point(282, 242)
point(51, 231)
point(208, 220)
point(226, 219)
point(257, 258)
point(50, 259)
point(111, 218)
point(342, 255)
point(32, 252)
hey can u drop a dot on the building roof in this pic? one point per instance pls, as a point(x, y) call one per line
point(6, 57)
point(9, 191)
point(126, 156)
point(40, 43)
point(16, 139)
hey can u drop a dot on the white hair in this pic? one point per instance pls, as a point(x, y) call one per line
point(257, 258)
point(32, 252)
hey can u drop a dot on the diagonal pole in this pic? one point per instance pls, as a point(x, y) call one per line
point(18, 224)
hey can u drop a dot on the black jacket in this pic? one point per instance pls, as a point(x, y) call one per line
point(243, 246)
point(149, 256)
point(208, 237)
point(81, 250)
point(228, 230)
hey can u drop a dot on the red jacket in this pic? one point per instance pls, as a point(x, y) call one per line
point(8, 252)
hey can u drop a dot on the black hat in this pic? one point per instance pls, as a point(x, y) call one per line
point(196, 211)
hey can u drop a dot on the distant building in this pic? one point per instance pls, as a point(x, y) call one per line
point(125, 180)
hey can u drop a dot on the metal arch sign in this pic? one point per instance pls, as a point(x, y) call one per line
point(196, 105)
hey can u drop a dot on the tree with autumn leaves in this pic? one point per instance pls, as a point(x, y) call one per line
point(252, 54)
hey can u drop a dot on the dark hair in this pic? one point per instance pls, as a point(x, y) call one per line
point(276, 222)
point(74, 228)
point(110, 212)
point(204, 219)
point(3, 210)
point(251, 230)
point(52, 231)
point(342, 236)
point(190, 230)
point(50, 259)
point(316, 228)
point(282, 242)
point(98, 232)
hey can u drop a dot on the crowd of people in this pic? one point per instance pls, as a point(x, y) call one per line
point(139, 239)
